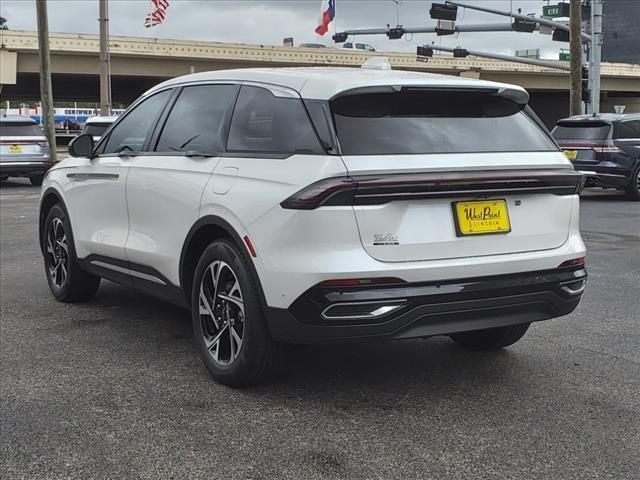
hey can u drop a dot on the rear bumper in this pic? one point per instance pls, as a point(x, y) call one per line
point(605, 176)
point(25, 167)
point(428, 309)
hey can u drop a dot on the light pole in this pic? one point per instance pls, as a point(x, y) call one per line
point(46, 93)
point(105, 61)
point(595, 55)
point(575, 50)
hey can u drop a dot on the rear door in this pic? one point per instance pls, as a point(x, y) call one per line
point(416, 153)
point(272, 151)
point(165, 185)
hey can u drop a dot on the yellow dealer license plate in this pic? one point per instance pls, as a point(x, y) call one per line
point(571, 154)
point(15, 148)
point(481, 217)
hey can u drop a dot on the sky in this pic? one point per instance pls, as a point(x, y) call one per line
point(268, 22)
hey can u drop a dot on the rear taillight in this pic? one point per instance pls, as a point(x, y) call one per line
point(319, 193)
point(575, 262)
point(605, 150)
point(359, 282)
point(384, 188)
point(607, 146)
point(21, 141)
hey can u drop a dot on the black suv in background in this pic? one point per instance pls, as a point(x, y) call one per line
point(605, 147)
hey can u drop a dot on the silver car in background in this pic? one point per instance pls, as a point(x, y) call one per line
point(24, 150)
point(97, 126)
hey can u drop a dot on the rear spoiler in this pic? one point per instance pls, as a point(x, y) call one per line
point(583, 123)
point(515, 94)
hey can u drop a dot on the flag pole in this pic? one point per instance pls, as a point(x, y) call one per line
point(335, 17)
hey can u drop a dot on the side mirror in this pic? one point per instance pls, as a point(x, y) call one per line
point(81, 146)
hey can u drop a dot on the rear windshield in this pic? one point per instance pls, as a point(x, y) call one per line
point(419, 121)
point(581, 131)
point(96, 129)
point(629, 129)
point(20, 130)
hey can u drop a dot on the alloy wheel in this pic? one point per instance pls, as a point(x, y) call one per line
point(221, 312)
point(57, 253)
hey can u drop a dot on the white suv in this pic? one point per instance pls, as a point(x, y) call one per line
point(307, 205)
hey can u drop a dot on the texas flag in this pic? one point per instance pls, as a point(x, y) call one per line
point(328, 9)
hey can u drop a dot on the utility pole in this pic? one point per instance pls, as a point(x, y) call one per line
point(105, 67)
point(46, 94)
point(595, 54)
point(575, 50)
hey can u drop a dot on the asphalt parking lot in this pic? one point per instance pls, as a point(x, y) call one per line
point(114, 388)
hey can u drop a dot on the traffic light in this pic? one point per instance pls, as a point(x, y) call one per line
point(520, 25)
point(340, 37)
point(441, 11)
point(424, 53)
point(459, 52)
point(560, 35)
point(395, 33)
point(586, 94)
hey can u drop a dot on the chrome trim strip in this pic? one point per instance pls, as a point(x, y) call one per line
point(146, 276)
point(456, 193)
point(575, 291)
point(80, 177)
point(43, 163)
point(128, 271)
point(386, 307)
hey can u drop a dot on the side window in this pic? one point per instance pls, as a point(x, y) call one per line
point(265, 123)
point(132, 131)
point(348, 45)
point(360, 46)
point(624, 130)
point(369, 48)
point(199, 119)
point(320, 116)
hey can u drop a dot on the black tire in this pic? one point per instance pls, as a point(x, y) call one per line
point(36, 180)
point(491, 339)
point(258, 358)
point(3, 178)
point(633, 189)
point(68, 282)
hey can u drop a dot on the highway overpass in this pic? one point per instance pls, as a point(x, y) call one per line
point(139, 63)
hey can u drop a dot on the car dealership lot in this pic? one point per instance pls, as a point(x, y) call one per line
point(114, 388)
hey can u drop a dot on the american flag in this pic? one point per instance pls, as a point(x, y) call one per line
point(157, 16)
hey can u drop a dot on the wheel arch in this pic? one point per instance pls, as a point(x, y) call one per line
point(50, 198)
point(201, 234)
